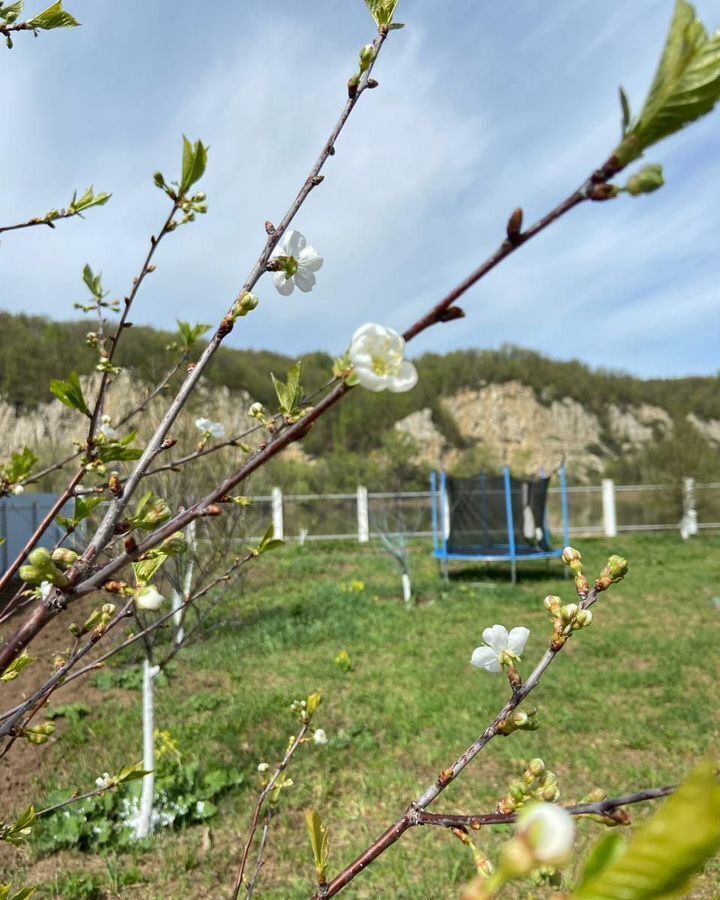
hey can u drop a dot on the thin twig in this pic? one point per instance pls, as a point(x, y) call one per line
point(264, 794)
point(599, 808)
point(260, 862)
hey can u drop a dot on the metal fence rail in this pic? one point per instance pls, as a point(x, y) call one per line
point(603, 509)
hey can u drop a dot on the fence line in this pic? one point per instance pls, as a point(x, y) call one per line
point(607, 509)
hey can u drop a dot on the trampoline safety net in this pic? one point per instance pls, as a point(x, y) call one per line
point(478, 515)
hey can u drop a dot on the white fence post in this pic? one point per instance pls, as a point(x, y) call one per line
point(608, 506)
point(363, 518)
point(277, 513)
point(689, 521)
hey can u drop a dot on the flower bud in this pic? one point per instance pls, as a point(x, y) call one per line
point(64, 557)
point(536, 767)
point(583, 619)
point(257, 411)
point(573, 560)
point(550, 793)
point(148, 597)
point(247, 303)
point(367, 55)
point(553, 604)
point(582, 585)
point(647, 180)
point(568, 613)
point(18, 489)
point(40, 557)
point(31, 575)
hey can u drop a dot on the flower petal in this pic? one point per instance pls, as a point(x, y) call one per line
point(310, 259)
point(370, 380)
point(305, 280)
point(369, 330)
point(294, 243)
point(496, 637)
point(283, 284)
point(517, 639)
point(485, 658)
point(406, 378)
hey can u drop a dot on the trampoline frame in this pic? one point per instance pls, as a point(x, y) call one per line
point(506, 552)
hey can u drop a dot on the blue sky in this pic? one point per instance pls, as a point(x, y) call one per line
point(481, 107)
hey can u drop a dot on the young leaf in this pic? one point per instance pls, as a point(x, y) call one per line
point(70, 393)
point(320, 843)
point(194, 164)
point(382, 10)
point(150, 512)
point(131, 773)
point(626, 114)
point(10, 13)
point(289, 395)
point(190, 333)
point(53, 17)
point(668, 849)
point(686, 85)
point(83, 507)
point(609, 848)
point(16, 667)
point(88, 200)
point(146, 569)
point(119, 450)
point(19, 467)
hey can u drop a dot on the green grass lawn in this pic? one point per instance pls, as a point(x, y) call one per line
point(632, 702)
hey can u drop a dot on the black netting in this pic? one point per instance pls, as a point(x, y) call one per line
point(478, 515)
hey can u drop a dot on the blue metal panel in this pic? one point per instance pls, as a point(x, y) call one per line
point(444, 509)
point(565, 510)
point(509, 512)
point(434, 499)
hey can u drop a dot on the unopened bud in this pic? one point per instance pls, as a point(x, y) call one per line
point(212, 510)
point(247, 303)
point(257, 411)
point(568, 613)
point(64, 557)
point(536, 767)
point(583, 619)
point(553, 605)
point(353, 84)
point(647, 180)
point(582, 585)
point(514, 226)
point(367, 55)
point(550, 793)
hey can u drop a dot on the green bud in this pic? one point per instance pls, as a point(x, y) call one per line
point(516, 789)
point(367, 55)
point(553, 605)
point(648, 179)
point(617, 567)
point(31, 575)
point(568, 613)
point(40, 557)
point(550, 793)
point(64, 557)
point(536, 767)
point(583, 619)
point(573, 560)
point(159, 180)
point(247, 303)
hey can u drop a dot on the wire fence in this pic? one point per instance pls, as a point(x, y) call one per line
point(604, 509)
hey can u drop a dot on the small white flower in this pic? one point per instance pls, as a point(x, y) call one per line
point(548, 830)
point(378, 355)
point(500, 648)
point(45, 588)
point(18, 489)
point(104, 781)
point(149, 597)
point(207, 426)
point(299, 264)
point(263, 767)
point(108, 432)
point(319, 736)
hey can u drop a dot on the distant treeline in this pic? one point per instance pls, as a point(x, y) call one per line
point(33, 350)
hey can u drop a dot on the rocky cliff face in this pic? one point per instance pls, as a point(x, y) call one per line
point(509, 425)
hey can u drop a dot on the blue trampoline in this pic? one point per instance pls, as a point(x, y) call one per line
point(494, 518)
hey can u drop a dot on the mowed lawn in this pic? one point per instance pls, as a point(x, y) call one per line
point(632, 702)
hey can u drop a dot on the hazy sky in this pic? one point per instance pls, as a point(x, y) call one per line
point(481, 107)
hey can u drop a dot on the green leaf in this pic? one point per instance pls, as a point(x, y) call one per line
point(83, 507)
point(19, 467)
point(382, 10)
point(319, 841)
point(17, 832)
point(191, 333)
point(146, 569)
point(93, 282)
point(131, 773)
point(150, 512)
point(668, 849)
point(686, 84)
point(16, 667)
point(290, 394)
point(609, 848)
point(70, 393)
point(10, 13)
point(626, 114)
point(193, 165)
point(88, 200)
point(53, 17)
point(121, 450)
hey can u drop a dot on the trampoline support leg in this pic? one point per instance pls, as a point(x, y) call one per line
point(513, 572)
point(445, 570)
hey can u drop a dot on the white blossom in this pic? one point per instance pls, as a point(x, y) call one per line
point(500, 647)
point(548, 830)
point(149, 597)
point(207, 426)
point(45, 588)
point(18, 489)
point(263, 767)
point(104, 781)
point(319, 736)
point(299, 263)
point(378, 355)
point(108, 431)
